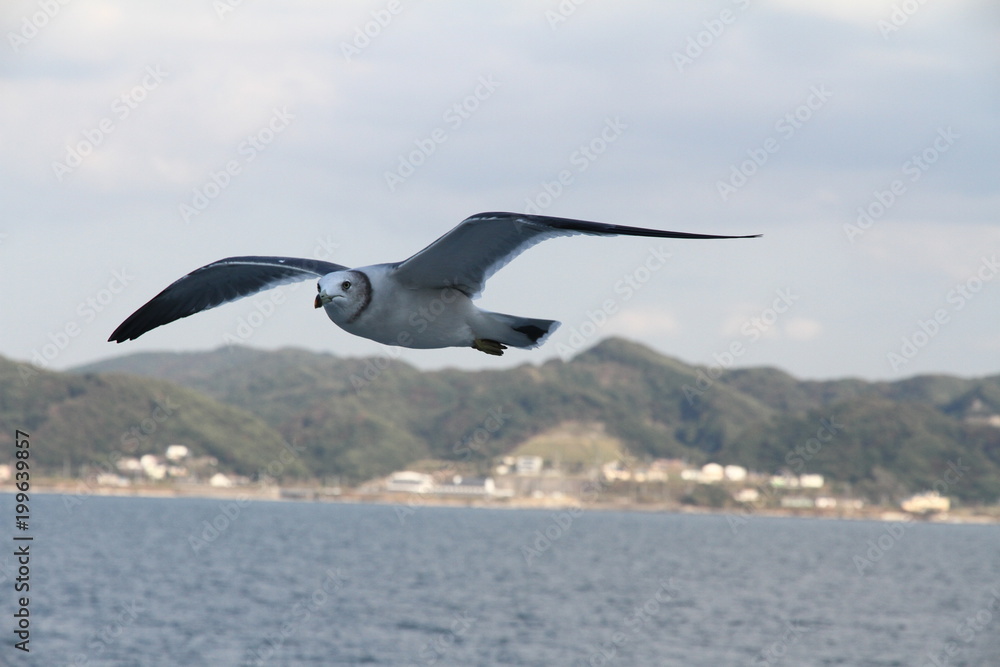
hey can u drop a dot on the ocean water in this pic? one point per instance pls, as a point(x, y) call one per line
point(136, 581)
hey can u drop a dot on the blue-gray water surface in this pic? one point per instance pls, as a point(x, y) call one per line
point(138, 581)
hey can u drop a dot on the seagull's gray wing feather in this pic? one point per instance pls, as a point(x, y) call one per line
point(484, 243)
point(218, 283)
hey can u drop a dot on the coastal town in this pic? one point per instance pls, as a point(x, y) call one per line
point(527, 481)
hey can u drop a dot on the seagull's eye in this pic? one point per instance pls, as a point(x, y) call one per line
point(317, 287)
point(346, 285)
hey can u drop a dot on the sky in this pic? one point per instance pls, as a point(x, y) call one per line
point(139, 141)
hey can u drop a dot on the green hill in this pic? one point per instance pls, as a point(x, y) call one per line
point(92, 419)
point(359, 418)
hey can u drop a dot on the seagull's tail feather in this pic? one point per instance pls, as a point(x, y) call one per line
point(523, 332)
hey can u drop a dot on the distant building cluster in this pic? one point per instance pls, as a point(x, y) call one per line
point(528, 476)
point(176, 463)
point(407, 481)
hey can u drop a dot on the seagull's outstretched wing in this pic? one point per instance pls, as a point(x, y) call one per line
point(484, 243)
point(218, 283)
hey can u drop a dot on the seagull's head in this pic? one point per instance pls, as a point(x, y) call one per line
point(343, 294)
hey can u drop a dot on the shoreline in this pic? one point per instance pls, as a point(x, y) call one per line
point(79, 491)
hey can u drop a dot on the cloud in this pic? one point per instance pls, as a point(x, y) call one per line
point(918, 247)
point(643, 322)
point(802, 329)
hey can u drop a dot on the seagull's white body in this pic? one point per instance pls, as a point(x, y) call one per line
point(423, 302)
point(418, 318)
point(376, 305)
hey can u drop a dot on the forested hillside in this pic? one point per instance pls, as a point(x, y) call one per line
point(359, 418)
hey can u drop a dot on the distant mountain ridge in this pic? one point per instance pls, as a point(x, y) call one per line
point(884, 439)
point(94, 419)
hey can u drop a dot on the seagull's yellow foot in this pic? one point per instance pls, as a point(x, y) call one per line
point(489, 346)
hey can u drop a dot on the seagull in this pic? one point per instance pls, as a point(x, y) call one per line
point(424, 302)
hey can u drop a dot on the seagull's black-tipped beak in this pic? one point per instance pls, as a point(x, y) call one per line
point(318, 303)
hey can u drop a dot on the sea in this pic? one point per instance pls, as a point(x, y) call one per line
point(183, 581)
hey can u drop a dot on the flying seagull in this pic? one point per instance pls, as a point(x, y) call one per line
point(423, 302)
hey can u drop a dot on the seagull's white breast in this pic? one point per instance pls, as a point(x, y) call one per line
point(410, 317)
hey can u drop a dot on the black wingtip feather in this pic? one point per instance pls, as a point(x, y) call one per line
point(587, 227)
point(215, 284)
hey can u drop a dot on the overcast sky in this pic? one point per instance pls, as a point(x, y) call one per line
point(139, 141)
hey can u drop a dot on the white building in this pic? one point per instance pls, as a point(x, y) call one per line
point(735, 473)
point(784, 481)
point(925, 503)
point(152, 466)
point(616, 472)
point(711, 473)
point(177, 452)
point(108, 479)
point(408, 481)
point(220, 481)
point(467, 486)
point(129, 464)
point(811, 481)
point(657, 471)
point(529, 465)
